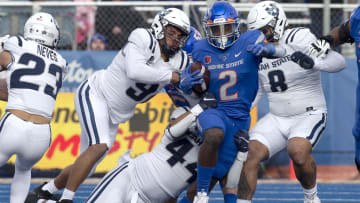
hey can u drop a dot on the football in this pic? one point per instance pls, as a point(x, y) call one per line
point(200, 88)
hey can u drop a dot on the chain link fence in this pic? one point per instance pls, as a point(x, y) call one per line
point(79, 21)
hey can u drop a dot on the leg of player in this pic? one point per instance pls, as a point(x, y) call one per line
point(82, 168)
point(356, 129)
point(191, 191)
point(257, 152)
point(208, 155)
point(299, 150)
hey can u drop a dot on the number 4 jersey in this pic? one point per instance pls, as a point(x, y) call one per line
point(170, 160)
point(34, 76)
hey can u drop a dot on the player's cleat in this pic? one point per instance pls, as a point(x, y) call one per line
point(65, 201)
point(39, 193)
point(201, 197)
point(312, 198)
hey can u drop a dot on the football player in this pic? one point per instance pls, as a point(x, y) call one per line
point(234, 82)
point(151, 59)
point(347, 32)
point(298, 113)
point(34, 75)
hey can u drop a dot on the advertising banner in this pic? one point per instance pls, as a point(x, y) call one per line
point(141, 133)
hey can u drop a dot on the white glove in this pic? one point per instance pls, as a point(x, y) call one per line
point(319, 49)
point(2, 40)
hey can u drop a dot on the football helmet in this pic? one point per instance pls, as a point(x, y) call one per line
point(221, 25)
point(268, 13)
point(174, 17)
point(42, 28)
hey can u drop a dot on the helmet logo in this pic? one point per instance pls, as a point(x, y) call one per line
point(39, 18)
point(272, 10)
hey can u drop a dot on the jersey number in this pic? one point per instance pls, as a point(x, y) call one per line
point(39, 68)
point(178, 150)
point(232, 78)
point(277, 80)
point(141, 91)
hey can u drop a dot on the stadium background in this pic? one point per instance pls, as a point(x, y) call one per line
point(80, 20)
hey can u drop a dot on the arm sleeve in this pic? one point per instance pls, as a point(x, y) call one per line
point(259, 94)
point(137, 53)
point(333, 62)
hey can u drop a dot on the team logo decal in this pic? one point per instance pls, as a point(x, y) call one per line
point(272, 10)
point(207, 59)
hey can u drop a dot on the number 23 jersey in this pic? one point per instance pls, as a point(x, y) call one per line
point(34, 76)
point(291, 90)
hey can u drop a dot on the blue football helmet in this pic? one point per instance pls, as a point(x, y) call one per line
point(193, 37)
point(221, 25)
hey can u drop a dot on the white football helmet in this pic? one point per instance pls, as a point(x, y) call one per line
point(42, 28)
point(268, 13)
point(170, 16)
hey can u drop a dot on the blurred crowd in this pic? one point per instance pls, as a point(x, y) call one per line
point(107, 27)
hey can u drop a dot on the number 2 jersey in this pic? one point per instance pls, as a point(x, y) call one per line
point(135, 75)
point(233, 73)
point(292, 90)
point(34, 76)
point(168, 169)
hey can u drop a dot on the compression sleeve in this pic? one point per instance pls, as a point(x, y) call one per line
point(333, 62)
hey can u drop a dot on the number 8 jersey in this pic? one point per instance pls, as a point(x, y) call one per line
point(34, 76)
point(291, 90)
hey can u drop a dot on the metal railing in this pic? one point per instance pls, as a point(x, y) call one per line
point(13, 14)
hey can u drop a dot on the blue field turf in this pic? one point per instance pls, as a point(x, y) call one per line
point(267, 192)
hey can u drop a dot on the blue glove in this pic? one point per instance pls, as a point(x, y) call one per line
point(187, 79)
point(261, 49)
point(305, 61)
point(241, 140)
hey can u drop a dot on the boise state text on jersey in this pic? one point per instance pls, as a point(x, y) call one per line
point(231, 71)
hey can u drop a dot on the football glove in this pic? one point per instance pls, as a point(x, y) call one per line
point(319, 49)
point(241, 140)
point(187, 79)
point(261, 50)
point(208, 100)
point(302, 59)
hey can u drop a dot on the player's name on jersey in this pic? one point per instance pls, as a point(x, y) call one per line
point(226, 65)
point(46, 52)
point(274, 64)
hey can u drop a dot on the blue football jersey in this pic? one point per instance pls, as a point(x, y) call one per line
point(355, 33)
point(233, 73)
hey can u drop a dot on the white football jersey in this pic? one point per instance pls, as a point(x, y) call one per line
point(291, 89)
point(136, 74)
point(34, 76)
point(171, 160)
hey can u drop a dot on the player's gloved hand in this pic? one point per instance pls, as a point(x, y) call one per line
point(241, 140)
point(208, 100)
point(319, 49)
point(187, 79)
point(302, 59)
point(261, 50)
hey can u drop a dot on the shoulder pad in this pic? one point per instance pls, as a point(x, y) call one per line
point(254, 37)
point(13, 42)
point(143, 39)
point(299, 36)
